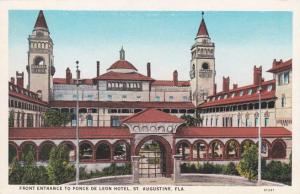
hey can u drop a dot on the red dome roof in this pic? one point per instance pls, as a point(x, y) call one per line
point(122, 64)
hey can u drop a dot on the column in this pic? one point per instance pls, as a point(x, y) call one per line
point(135, 162)
point(176, 173)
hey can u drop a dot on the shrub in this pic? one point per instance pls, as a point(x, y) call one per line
point(59, 169)
point(230, 169)
point(278, 172)
point(247, 166)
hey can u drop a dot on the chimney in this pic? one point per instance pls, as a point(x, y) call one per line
point(235, 86)
point(98, 68)
point(257, 71)
point(68, 76)
point(12, 80)
point(215, 89)
point(20, 79)
point(226, 82)
point(149, 69)
point(175, 78)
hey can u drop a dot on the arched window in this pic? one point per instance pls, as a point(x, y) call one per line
point(205, 66)
point(85, 151)
point(12, 152)
point(89, 120)
point(28, 148)
point(246, 143)
point(232, 149)
point(184, 149)
point(70, 147)
point(278, 149)
point(199, 150)
point(45, 149)
point(216, 149)
point(121, 150)
point(103, 151)
point(39, 61)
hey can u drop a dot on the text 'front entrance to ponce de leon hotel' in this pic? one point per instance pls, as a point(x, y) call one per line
point(153, 139)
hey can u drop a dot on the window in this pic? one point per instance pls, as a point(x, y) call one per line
point(89, 120)
point(283, 78)
point(266, 121)
point(205, 66)
point(233, 95)
point(109, 97)
point(124, 97)
point(241, 93)
point(115, 121)
point(157, 98)
point(256, 122)
point(185, 98)
point(286, 77)
point(247, 122)
point(283, 101)
point(138, 98)
point(171, 98)
point(74, 97)
point(269, 88)
point(225, 96)
point(249, 91)
point(216, 122)
point(238, 122)
point(90, 97)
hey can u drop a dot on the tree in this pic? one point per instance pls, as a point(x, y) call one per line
point(55, 118)
point(190, 121)
point(248, 165)
point(59, 169)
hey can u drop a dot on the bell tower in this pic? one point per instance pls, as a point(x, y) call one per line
point(202, 67)
point(40, 66)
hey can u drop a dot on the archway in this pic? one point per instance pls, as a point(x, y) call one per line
point(156, 159)
point(45, 149)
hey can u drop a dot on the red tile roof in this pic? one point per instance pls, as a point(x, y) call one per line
point(170, 83)
point(69, 133)
point(280, 66)
point(40, 21)
point(202, 29)
point(122, 64)
point(24, 94)
point(123, 76)
point(244, 98)
point(123, 104)
point(64, 81)
point(152, 116)
point(231, 132)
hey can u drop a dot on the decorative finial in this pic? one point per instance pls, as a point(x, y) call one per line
point(202, 14)
point(122, 54)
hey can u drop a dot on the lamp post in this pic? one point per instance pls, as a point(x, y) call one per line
point(259, 137)
point(77, 128)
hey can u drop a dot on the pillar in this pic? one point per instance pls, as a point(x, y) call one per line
point(135, 162)
point(177, 173)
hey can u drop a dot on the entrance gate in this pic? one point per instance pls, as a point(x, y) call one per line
point(153, 160)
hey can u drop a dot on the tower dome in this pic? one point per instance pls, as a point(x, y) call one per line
point(122, 65)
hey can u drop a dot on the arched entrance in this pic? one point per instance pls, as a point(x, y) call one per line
point(156, 159)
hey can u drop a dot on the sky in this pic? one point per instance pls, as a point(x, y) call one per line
point(164, 38)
